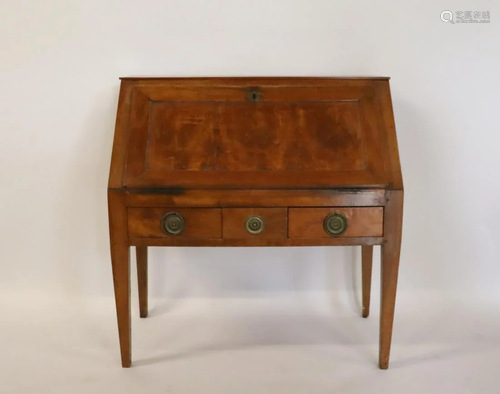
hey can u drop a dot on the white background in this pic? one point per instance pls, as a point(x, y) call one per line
point(60, 61)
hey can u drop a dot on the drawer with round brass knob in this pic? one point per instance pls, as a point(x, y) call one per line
point(174, 223)
point(251, 223)
point(309, 223)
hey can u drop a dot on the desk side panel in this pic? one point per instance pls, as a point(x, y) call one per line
point(120, 140)
point(391, 151)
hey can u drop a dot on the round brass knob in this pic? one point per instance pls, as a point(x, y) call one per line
point(254, 225)
point(172, 223)
point(335, 224)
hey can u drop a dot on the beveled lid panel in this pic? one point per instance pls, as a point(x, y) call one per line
point(247, 136)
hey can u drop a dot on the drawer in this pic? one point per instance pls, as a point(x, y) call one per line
point(175, 222)
point(311, 223)
point(264, 223)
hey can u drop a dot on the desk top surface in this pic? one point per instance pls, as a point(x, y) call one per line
point(255, 133)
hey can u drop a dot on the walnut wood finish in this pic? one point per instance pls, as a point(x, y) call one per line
point(332, 241)
point(120, 262)
point(393, 220)
point(297, 134)
point(290, 150)
point(362, 222)
point(366, 273)
point(275, 223)
point(179, 197)
point(199, 222)
point(142, 278)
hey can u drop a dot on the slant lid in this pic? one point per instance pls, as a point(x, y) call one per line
point(255, 133)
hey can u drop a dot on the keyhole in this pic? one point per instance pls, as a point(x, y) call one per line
point(254, 96)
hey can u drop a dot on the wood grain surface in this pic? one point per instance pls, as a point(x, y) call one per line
point(362, 222)
point(199, 222)
point(275, 223)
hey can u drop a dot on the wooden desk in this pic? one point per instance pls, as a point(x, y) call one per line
point(255, 162)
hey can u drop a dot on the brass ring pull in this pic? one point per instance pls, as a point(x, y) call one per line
point(172, 224)
point(255, 225)
point(335, 224)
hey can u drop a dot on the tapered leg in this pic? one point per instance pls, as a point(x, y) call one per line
point(142, 277)
point(366, 273)
point(393, 217)
point(120, 262)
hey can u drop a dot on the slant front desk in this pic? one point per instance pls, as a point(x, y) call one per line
point(255, 162)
